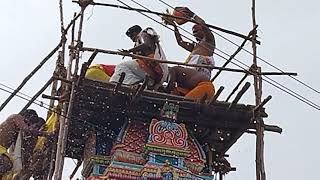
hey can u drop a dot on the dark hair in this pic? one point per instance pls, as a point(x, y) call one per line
point(41, 121)
point(135, 28)
point(30, 114)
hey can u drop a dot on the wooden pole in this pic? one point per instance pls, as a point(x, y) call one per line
point(26, 79)
point(239, 95)
point(64, 121)
point(63, 83)
point(90, 49)
point(171, 16)
point(37, 94)
point(231, 57)
point(236, 87)
point(260, 171)
point(37, 68)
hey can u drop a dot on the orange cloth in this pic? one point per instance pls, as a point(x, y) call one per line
point(152, 68)
point(201, 90)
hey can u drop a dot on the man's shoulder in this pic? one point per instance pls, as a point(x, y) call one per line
point(15, 117)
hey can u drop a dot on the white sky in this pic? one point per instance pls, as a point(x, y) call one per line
point(289, 33)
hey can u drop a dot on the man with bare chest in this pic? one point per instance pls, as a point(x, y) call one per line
point(202, 51)
point(190, 83)
point(9, 131)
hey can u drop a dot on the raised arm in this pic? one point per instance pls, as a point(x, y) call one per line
point(192, 16)
point(146, 44)
point(184, 44)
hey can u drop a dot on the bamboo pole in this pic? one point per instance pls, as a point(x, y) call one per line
point(239, 95)
point(28, 77)
point(232, 56)
point(67, 107)
point(236, 87)
point(171, 16)
point(89, 49)
point(54, 150)
point(217, 94)
point(37, 94)
point(260, 171)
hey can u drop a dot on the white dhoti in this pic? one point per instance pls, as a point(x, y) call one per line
point(199, 59)
point(134, 74)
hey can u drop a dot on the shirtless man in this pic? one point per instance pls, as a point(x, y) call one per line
point(190, 83)
point(9, 131)
point(146, 43)
point(202, 51)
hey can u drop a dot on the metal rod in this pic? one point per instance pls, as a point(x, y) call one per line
point(236, 87)
point(171, 16)
point(239, 95)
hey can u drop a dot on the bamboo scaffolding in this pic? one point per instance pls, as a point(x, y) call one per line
point(37, 94)
point(232, 56)
point(168, 15)
point(260, 171)
point(236, 87)
point(59, 160)
point(89, 49)
point(270, 128)
point(239, 95)
point(217, 94)
point(28, 77)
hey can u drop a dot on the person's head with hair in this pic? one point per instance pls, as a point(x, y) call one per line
point(30, 116)
point(133, 31)
point(197, 31)
point(40, 123)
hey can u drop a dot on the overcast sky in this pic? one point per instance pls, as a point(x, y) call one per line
point(289, 32)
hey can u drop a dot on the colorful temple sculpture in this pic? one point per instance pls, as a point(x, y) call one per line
point(127, 132)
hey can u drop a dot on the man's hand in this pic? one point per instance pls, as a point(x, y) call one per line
point(186, 11)
point(124, 51)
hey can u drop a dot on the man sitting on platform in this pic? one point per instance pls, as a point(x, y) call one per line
point(202, 51)
point(190, 83)
point(146, 44)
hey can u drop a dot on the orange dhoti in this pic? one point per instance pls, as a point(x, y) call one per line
point(202, 89)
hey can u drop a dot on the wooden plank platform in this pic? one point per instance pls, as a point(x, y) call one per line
point(97, 106)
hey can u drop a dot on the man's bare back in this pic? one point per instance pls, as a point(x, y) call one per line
point(10, 128)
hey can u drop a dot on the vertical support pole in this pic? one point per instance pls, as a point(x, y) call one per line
point(64, 120)
point(260, 172)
